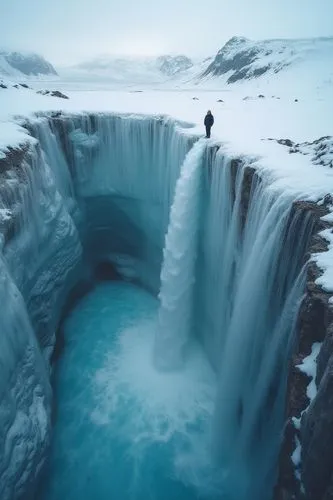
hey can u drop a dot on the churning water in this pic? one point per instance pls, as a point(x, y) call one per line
point(123, 429)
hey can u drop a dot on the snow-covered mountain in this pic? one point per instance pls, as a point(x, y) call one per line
point(19, 64)
point(243, 59)
point(130, 70)
point(173, 65)
point(280, 61)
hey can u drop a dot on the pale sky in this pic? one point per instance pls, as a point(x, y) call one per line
point(68, 31)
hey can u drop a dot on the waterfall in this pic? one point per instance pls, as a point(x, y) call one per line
point(101, 183)
point(246, 290)
point(123, 172)
point(178, 269)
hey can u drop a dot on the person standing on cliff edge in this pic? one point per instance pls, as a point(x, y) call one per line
point(209, 122)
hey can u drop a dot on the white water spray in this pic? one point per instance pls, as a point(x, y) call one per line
point(178, 270)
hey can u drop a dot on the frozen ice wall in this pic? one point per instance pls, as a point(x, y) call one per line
point(124, 172)
point(36, 271)
point(99, 183)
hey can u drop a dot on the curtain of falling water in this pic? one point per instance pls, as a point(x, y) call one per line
point(249, 285)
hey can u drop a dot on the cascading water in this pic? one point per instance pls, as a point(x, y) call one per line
point(252, 293)
point(44, 221)
point(229, 294)
point(246, 306)
point(178, 269)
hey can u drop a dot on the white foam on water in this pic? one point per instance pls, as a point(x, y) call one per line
point(170, 408)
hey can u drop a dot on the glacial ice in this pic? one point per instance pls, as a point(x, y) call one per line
point(98, 188)
point(48, 201)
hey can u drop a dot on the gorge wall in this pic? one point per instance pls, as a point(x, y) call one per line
point(93, 189)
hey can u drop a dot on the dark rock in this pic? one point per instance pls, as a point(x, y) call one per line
point(260, 71)
point(56, 93)
point(314, 325)
point(13, 158)
point(287, 487)
point(237, 57)
point(24, 85)
point(321, 150)
point(238, 75)
point(3, 86)
point(249, 175)
point(13, 161)
point(16, 86)
point(286, 142)
point(283, 142)
point(261, 96)
point(53, 93)
point(317, 439)
point(210, 154)
point(195, 98)
point(220, 100)
point(296, 100)
point(328, 200)
point(324, 355)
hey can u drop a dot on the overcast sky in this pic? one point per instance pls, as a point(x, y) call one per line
point(66, 31)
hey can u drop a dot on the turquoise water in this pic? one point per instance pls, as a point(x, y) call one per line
point(122, 429)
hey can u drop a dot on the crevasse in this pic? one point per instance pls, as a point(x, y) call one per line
point(98, 188)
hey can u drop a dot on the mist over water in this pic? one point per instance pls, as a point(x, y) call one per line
point(123, 429)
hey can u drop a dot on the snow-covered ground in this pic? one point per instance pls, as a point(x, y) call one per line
point(244, 125)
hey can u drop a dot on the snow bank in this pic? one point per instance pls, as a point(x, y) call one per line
point(309, 367)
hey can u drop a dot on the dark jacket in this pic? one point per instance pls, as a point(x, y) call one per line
point(209, 120)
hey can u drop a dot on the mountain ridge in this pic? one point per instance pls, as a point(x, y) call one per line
point(15, 64)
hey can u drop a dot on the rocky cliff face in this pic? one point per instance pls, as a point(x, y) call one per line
point(243, 59)
point(309, 427)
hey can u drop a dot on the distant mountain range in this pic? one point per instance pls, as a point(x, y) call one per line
point(243, 59)
point(239, 59)
point(130, 70)
point(18, 64)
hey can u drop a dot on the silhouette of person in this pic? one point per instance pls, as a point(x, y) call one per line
point(209, 122)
